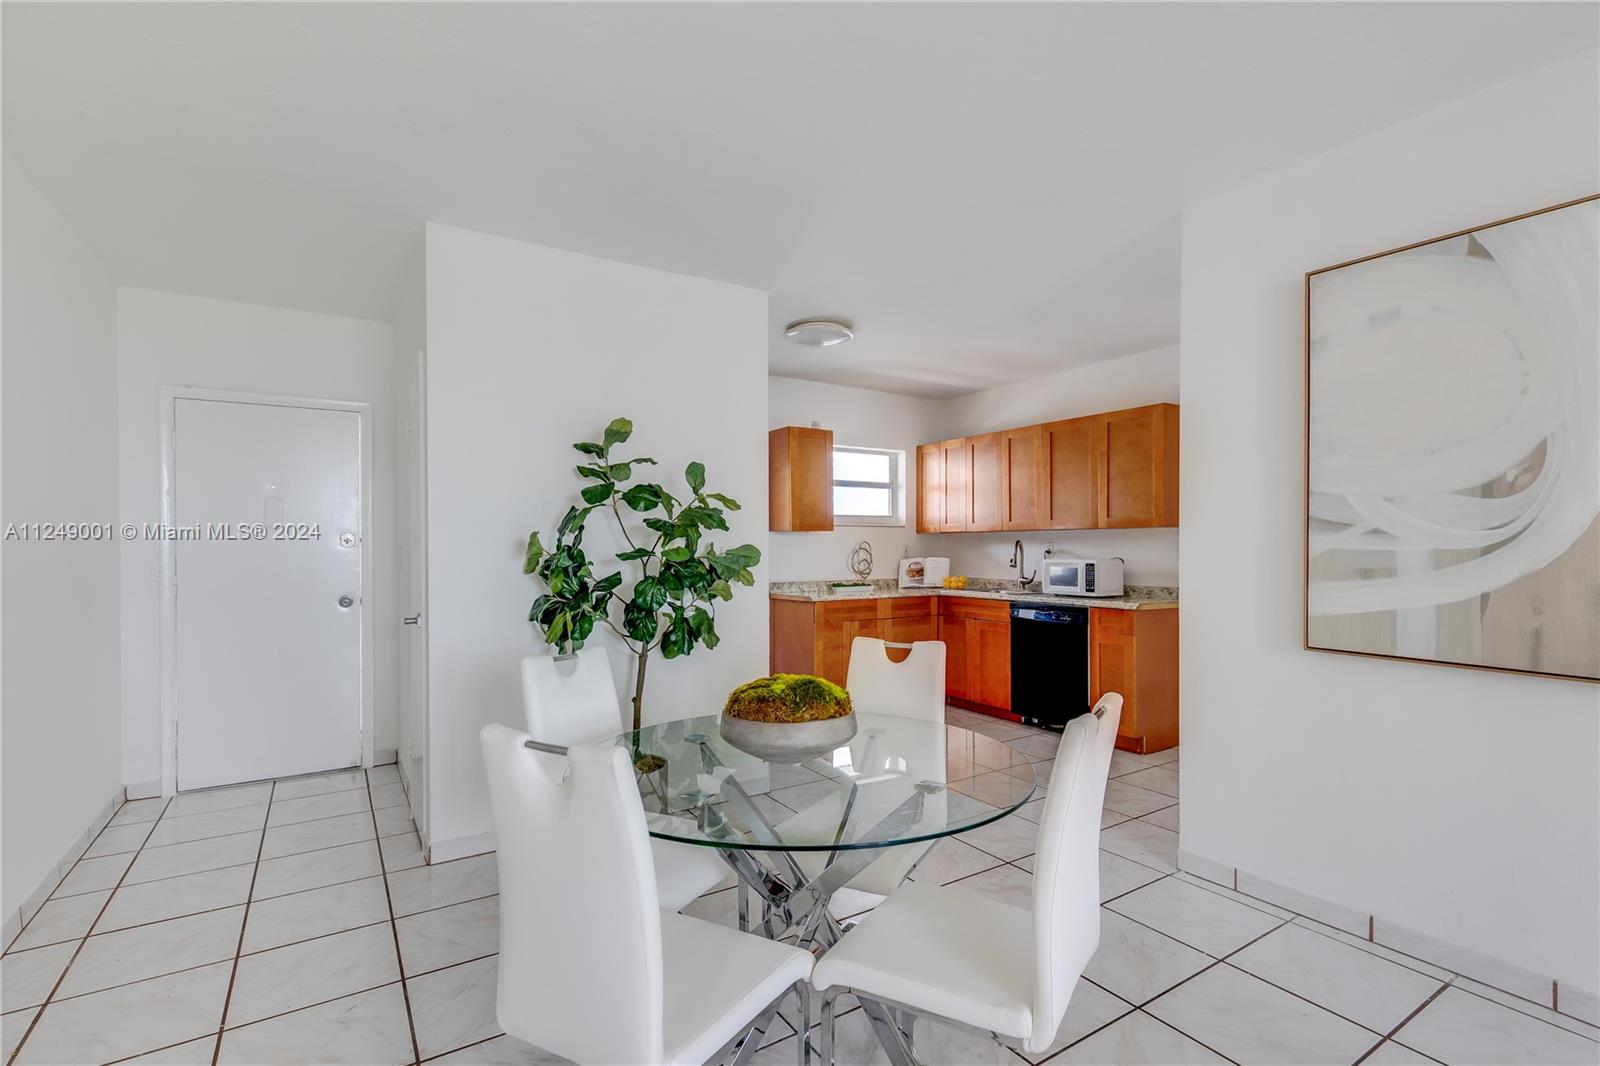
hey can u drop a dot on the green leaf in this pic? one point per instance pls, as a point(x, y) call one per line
point(722, 590)
point(620, 471)
point(607, 583)
point(705, 517)
point(596, 494)
point(679, 637)
point(650, 593)
point(618, 431)
point(535, 553)
point(643, 497)
point(659, 525)
point(589, 447)
point(695, 475)
point(633, 554)
point(726, 501)
point(538, 608)
point(573, 519)
point(592, 472)
point(677, 555)
point(639, 622)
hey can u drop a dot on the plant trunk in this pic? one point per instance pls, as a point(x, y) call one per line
point(638, 691)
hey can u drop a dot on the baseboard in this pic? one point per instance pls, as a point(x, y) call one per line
point(1536, 988)
point(144, 790)
point(460, 848)
point(383, 756)
point(15, 920)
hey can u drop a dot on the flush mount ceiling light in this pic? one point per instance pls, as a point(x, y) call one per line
point(818, 332)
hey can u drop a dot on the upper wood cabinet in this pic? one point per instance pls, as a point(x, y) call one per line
point(800, 479)
point(1107, 471)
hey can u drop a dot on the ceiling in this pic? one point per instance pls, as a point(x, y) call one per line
point(988, 191)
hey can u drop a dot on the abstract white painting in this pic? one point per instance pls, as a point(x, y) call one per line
point(1453, 461)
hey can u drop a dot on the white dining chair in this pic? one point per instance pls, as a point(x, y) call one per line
point(590, 967)
point(980, 963)
point(572, 699)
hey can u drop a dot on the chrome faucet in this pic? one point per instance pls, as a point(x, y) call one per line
point(1024, 579)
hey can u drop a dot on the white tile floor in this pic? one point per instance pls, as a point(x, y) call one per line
point(295, 922)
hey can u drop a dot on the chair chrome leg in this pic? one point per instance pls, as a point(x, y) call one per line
point(802, 995)
point(752, 1038)
point(744, 907)
point(826, 1027)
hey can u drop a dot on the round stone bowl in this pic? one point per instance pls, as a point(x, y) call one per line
point(788, 742)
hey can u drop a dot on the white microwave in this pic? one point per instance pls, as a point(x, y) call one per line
point(1082, 577)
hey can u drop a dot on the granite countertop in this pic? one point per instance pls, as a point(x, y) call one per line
point(1134, 596)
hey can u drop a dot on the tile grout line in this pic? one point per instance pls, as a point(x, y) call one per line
point(244, 924)
point(394, 928)
point(50, 998)
point(52, 896)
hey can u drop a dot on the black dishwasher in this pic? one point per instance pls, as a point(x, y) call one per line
point(1049, 663)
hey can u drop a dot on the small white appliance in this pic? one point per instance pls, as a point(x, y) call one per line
point(1082, 577)
point(924, 573)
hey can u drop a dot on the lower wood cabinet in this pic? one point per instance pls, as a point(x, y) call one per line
point(1136, 653)
point(814, 637)
point(977, 638)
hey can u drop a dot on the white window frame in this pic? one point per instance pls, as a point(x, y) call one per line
point(896, 486)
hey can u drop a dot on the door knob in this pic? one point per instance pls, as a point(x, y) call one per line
point(345, 601)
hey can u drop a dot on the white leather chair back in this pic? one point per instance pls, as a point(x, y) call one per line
point(911, 688)
point(1066, 873)
point(580, 932)
point(571, 699)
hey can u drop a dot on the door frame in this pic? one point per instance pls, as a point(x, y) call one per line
point(170, 395)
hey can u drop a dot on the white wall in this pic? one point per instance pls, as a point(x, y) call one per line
point(869, 419)
point(1460, 804)
point(530, 349)
point(170, 339)
point(1129, 381)
point(61, 721)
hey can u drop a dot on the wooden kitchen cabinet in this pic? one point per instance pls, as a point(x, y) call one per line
point(1136, 653)
point(1022, 475)
point(977, 638)
point(1137, 467)
point(985, 483)
point(800, 479)
point(957, 487)
point(1071, 500)
point(930, 488)
point(814, 637)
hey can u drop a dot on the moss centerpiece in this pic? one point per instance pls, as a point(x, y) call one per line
point(788, 718)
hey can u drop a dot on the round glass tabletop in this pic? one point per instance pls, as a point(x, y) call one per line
point(899, 781)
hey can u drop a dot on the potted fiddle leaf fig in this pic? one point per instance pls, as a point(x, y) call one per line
point(678, 574)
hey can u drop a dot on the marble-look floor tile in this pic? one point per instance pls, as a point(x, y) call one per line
point(383, 775)
point(220, 799)
point(1344, 979)
point(950, 860)
point(1126, 762)
point(1137, 963)
point(996, 788)
point(1168, 757)
point(441, 885)
point(1091, 1007)
point(316, 912)
point(311, 972)
point(317, 869)
point(229, 821)
point(1033, 811)
point(118, 840)
point(503, 1051)
point(1506, 999)
point(13, 1024)
point(439, 938)
point(1109, 818)
point(61, 919)
point(310, 808)
point(145, 951)
point(1166, 819)
point(454, 1007)
point(1035, 747)
point(26, 977)
point(139, 811)
point(1143, 843)
point(1390, 1053)
point(313, 836)
point(318, 784)
point(130, 1019)
point(1157, 779)
point(1004, 883)
point(391, 795)
point(1465, 1030)
point(93, 875)
point(366, 1029)
point(396, 820)
point(174, 897)
point(403, 852)
point(1250, 1021)
point(1005, 838)
point(1194, 916)
point(154, 864)
point(1238, 897)
point(189, 1053)
point(1138, 1039)
point(721, 908)
point(1119, 876)
point(1132, 800)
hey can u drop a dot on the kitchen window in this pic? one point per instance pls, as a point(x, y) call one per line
point(869, 487)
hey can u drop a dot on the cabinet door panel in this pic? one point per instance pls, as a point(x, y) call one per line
point(1070, 496)
point(930, 488)
point(1128, 469)
point(956, 633)
point(985, 483)
point(1022, 475)
point(957, 489)
point(989, 654)
point(1113, 668)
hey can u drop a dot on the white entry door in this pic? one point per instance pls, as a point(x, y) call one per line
point(267, 577)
